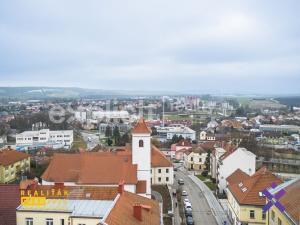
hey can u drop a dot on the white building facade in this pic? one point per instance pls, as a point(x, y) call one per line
point(44, 138)
point(167, 133)
point(241, 159)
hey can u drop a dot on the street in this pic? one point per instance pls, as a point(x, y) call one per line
point(91, 139)
point(202, 213)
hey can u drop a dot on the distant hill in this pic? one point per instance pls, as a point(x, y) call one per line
point(25, 93)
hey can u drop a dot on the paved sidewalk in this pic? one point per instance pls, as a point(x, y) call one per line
point(215, 206)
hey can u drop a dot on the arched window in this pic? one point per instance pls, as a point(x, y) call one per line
point(141, 143)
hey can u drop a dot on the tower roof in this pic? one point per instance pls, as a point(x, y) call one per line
point(141, 127)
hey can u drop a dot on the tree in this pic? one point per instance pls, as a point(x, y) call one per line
point(207, 160)
point(109, 142)
point(154, 131)
point(108, 131)
point(117, 135)
point(155, 142)
point(125, 139)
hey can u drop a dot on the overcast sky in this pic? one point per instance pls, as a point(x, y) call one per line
point(176, 45)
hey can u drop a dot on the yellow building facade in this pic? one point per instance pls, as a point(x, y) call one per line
point(12, 164)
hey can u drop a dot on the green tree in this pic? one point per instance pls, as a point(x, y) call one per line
point(117, 135)
point(108, 131)
point(207, 160)
point(109, 142)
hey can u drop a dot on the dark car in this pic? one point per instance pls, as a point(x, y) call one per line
point(205, 173)
point(188, 212)
point(180, 181)
point(189, 220)
point(175, 169)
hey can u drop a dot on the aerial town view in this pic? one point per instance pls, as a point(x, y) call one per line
point(150, 112)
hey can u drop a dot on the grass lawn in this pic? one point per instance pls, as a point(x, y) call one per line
point(212, 186)
point(78, 143)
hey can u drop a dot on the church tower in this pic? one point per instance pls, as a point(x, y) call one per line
point(141, 153)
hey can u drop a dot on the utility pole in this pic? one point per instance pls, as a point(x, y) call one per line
point(163, 115)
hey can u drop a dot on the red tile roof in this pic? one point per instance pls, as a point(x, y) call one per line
point(122, 213)
point(158, 159)
point(9, 201)
point(247, 191)
point(236, 177)
point(9, 156)
point(141, 127)
point(91, 168)
point(291, 200)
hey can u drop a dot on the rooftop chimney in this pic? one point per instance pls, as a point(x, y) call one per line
point(137, 211)
point(121, 187)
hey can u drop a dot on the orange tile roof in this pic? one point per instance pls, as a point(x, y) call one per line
point(158, 159)
point(91, 168)
point(122, 213)
point(141, 186)
point(79, 192)
point(258, 182)
point(141, 127)
point(237, 176)
point(9, 156)
point(291, 200)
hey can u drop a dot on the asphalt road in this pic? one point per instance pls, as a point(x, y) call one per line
point(92, 142)
point(202, 213)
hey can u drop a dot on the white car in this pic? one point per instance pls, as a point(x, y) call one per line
point(186, 200)
point(188, 206)
point(184, 193)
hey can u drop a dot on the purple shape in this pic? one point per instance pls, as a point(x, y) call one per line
point(279, 206)
point(273, 185)
point(267, 194)
point(267, 206)
point(279, 194)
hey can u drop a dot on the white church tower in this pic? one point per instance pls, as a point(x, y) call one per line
point(141, 153)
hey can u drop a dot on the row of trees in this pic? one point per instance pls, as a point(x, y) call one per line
point(114, 136)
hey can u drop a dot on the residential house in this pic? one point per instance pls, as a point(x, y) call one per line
point(12, 164)
point(290, 201)
point(194, 159)
point(230, 161)
point(87, 205)
point(245, 198)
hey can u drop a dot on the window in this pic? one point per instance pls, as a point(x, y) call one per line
point(141, 143)
point(263, 215)
point(252, 214)
point(200, 159)
point(159, 179)
point(81, 224)
point(49, 221)
point(159, 170)
point(62, 222)
point(29, 221)
point(192, 159)
point(167, 170)
point(273, 215)
point(167, 179)
point(279, 222)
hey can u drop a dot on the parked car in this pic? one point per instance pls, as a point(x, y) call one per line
point(175, 169)
point(205, 173)
point(188, 206)
point(188, 212)
point(189, 220)
point(181, 182)
point(186, 200)
point(184, 193)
